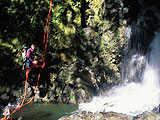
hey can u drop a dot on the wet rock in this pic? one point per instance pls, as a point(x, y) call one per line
point(82, 95)
point(96, 116)
point(149, 116)
point(110, 116)
point(45, 99)
point(37, 97)
point(20, 118)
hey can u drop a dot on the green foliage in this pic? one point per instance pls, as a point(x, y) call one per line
point(23, 22)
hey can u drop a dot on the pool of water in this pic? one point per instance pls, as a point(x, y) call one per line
point(44, 111)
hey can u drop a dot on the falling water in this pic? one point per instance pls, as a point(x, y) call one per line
point(136, 96)
point(133, 98)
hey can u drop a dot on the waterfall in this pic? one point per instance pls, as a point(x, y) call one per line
point(141, 89)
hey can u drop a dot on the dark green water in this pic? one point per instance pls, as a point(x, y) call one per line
point(45, 111)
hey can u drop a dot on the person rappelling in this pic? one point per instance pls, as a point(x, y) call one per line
point(30, 55)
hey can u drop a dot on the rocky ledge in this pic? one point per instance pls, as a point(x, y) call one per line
point(110, 116)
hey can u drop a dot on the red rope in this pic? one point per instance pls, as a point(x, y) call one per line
point(45, 39)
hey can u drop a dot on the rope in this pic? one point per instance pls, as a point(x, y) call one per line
point(45, 39)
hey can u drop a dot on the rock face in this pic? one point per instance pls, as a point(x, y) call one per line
point(96, 60)
point(15, 97)
point(110, 116)
point(77, 82)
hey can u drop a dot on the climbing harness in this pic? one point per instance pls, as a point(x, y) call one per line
point(45, 38)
